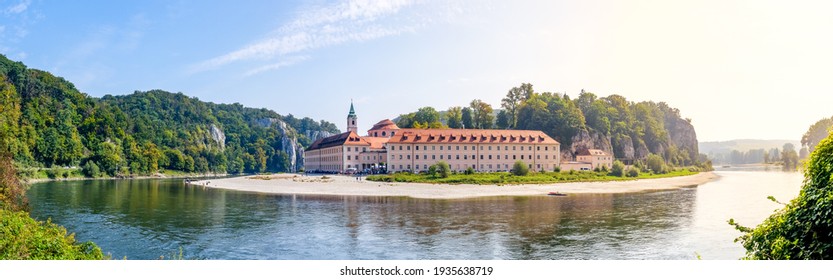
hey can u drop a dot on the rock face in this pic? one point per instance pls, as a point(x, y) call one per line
point(586, 140)
point(218, 136)
point(314, 135)
point(682, 135)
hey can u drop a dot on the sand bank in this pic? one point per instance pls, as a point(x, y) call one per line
point(348, 186)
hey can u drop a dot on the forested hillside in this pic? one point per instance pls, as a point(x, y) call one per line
point(45, 121)
point(631, 130)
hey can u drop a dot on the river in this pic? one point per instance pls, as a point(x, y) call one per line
point(146, 219)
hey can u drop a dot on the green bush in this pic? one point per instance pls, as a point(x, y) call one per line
point(618, 169)
point(633, 171)
point(469, 171)
point(557, 169)
point(442, 169)
point(90, 169)
point(23, 238)
point(519, 169)
point(803, 229)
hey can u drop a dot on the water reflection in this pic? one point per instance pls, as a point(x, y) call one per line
point(143, 219)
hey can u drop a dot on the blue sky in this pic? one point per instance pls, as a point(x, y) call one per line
point(738, 69)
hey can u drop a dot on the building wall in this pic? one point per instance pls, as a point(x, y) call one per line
point(578, 166)
point(597, 160)
point(328, 159)
point(382, 132)
point(480, 157)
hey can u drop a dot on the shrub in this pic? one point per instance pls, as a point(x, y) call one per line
point(519, 169)
point(442, 169)
point(618, 169)
point(802, 229)
point(12, 191)
point(469, 171)
point(656, 164)
point(556, 169)
point(23, 238)
point(633, 171)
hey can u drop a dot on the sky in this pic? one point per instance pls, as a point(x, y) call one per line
point(737, 69)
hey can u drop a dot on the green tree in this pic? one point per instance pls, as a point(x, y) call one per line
point(789, 156)
point(816, 133)
point(427, 115)
point(502, 120)
point(618, 169)
point(454, 117)
point(519, 168)
point(512, 102)
point(442, 169)
point(655, 163)
point(481, 114)
point(802, 229)
point(467, 118)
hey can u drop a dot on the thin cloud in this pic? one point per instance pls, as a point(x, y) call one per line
point(275, 66)
point(19, 8)
point(323, 26)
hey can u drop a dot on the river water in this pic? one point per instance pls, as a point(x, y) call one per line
point(146, 219)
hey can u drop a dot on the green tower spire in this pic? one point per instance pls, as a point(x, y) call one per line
point(352, 111)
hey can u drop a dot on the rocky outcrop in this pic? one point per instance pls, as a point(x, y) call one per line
point(218, 136)
point(586, 140)
point(289, 142)
point(683, 136)
point(313, 135)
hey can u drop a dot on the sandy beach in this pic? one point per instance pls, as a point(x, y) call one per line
point(349, 186)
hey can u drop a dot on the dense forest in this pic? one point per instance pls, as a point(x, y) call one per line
point(631, 130)
point(46, 122)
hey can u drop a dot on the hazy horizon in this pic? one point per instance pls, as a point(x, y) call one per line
point(739, 70)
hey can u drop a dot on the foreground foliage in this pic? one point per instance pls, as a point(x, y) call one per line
point(804, 228)
point(23, 238)
point(506, 178)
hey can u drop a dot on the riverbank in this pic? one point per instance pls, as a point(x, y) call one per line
point(157, 176)
point(349, 186)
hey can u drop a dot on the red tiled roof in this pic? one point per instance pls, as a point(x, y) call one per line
point(376, 142)
point(473, 136)
point(348, 138)
point(384, 124)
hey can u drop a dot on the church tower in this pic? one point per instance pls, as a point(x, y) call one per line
point(352, 120)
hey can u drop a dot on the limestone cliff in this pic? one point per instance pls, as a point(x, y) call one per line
point(586, 140)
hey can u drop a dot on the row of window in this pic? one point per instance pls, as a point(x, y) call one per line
point(483, 167)
point(364, 149)
point(467, 157)
point(466, 148)
point(365, 157)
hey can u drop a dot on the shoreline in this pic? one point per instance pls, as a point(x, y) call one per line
point(335, 185)
point(42, 180)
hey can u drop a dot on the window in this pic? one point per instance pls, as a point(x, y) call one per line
point(425, 148)
point(458, 147)
point(513, 148)
point(383, 133)
point(409, 157)
point(522, 156)
point(490, 148)
point(481, 157)
point(539, 156)
point(424, 156)
point(481, 148)
point(458, 156)
point(465, 156)
point(441, 156)
point(490, 157)
point(400, 157)
point(348, 149)
point(348, 157)
point(538, 148)
point(364, 149)
point(416, 148)
point(465, 148)
point(546, 148)
point(425, 166)
point(409, 148)
point(514, 157)
point(441, 148)
point(433, 148)
point(505, 156)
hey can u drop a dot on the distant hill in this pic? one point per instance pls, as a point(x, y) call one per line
point(743, 145)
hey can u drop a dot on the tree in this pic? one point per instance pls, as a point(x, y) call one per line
point(441, 169)
point(426, 115)
point(618, 169)
point(454, 117)
point(816, 133)
point(655, 163)
point(519, 169)
point(502, 121)
point(801, 230)
point(467, 118)
point(12, 191)
point(512, 102)
point(482, 114)
point(789, 156)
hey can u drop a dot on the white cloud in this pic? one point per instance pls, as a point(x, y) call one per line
point(275, 66)
point(322, 26)
point(19, 8)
